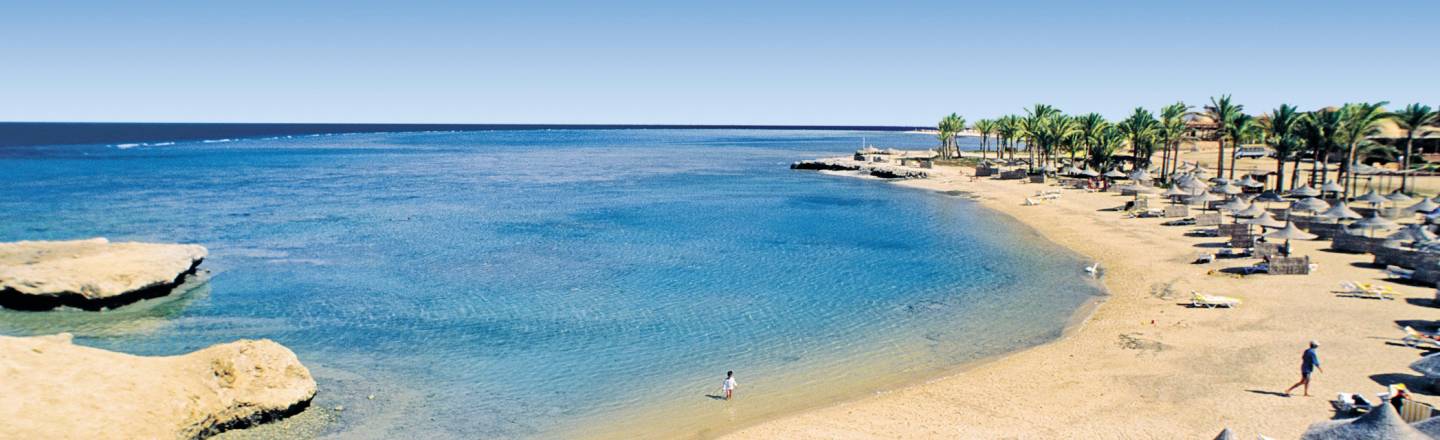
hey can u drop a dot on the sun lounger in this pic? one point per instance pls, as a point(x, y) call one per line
point(1352, 403)
point(1416, 338)
point(1031, 202)
point(1412, 411)
point(1366, 290)
point(1399, 272)
point(1205, 258)
point(1198, 299)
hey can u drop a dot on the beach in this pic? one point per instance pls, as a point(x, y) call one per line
point(1144, 364)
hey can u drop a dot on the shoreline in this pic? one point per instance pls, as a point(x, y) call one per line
point(1131, 362)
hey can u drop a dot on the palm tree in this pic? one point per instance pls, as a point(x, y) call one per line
point(1281, 130)
point(1092, 126)
point(1320, 130)
point(1007, 128)
point(1414, 117)
point(1222, 111)
point(1170, 131)
point(1140, 130)
point(1102, 152)
point(948, 127)
point(1242, 127)
point(986, 127)
point(1360, 121)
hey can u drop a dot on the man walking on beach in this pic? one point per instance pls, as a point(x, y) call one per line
point(729, 385)
point(1308, 362)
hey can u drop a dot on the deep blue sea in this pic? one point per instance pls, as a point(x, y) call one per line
point(551, 283)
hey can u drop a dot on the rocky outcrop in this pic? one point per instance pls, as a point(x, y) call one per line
point(884, 171)
point(55, 389)
point(91, 274)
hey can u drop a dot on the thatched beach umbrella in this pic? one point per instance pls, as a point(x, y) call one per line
point(1309, 204)
point(1251, 212)
point(1173, 192)
point(1089, 172)
point(1226, 435)
point(1430, 426)
point(1114, 174)
point(1204, 199)
point(1413, 233)
point(1425, 206)
point(1227, 189)
point(1373, 223)
point(1268, 197)
point(1236, 205)
point(1398, 197)
point(1264, 220)
point(1305, 191)
point(1200, 172)
point(1372, 198)
point(1340, 212)
point(1195, 186)
point(1072, 171)
point(1331, 187)
point(1289, 232)
point(1141, 175)
point(1250, 182)
point(1381, 423)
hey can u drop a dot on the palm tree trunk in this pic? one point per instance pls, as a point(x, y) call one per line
point(1295, 172)
point(1279, 173)
point(1405, 163)
point(1220, 156)
point(1348, 170)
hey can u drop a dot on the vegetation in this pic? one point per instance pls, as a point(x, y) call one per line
point(1294, 136)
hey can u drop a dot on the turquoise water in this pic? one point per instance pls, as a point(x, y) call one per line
point(549, 283)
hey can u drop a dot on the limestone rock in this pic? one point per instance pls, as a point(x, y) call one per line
point(91, 274)
point(55, 389)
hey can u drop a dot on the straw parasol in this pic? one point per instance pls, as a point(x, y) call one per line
point(1072, 171)
point(1235, 205)
point(1290, 232)
point(1430, 426)
point(1373, 223)
point(1251, 212)
point(1305, 191)
point(1425, 206)
point(1204, 199)
point(1340, 212)
point(1199, 172)
point(1415, 233)
point(1398, 197)
point(1309, 204)
point(1372, 198)
point(1428, 365)
point(1264, 219)
point(1332, 187)
point(1250, 182)
point(1381, 423)
point(1227, 189)
point(1114, 174)
point(1089, 172)
point(1225, 434)
point(1140, 175)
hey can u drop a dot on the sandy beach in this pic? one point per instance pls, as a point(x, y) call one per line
point(1144, 365)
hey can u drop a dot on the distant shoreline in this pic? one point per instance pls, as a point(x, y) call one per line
point(80, 133)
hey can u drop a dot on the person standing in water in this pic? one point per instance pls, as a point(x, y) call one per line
point(729, 385)
point(1309, 362)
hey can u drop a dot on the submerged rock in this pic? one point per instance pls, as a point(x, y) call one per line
point(91, 274)
point(55, 389)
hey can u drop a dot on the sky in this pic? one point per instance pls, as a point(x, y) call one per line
point(837, 62)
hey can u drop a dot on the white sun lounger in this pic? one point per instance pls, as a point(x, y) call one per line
point(1366, 290)
point(1198, 299)
point(1416, 338)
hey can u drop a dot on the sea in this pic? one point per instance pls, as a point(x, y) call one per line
point(547, 282)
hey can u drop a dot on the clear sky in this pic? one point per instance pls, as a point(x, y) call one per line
point(744, 62)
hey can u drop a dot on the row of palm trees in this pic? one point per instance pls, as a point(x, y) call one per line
point(1045, 132)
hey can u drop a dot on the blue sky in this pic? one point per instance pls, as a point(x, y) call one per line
point(835, 62)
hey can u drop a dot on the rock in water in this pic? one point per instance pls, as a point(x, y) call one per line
point(91, 274)
point(55, 389)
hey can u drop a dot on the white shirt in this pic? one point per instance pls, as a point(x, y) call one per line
point(729, 384)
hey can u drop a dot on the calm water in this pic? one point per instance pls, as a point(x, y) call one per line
point(551, 283)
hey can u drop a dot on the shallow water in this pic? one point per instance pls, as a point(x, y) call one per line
point(551, 283)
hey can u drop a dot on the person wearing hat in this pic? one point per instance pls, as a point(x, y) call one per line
point(1309, 362)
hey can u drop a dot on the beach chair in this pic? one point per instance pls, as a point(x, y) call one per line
point(1031, 202)
point(1365, 290)
point(1415, 338)
point(1198, 299)
point(1352, 403)
point(1399, 272)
